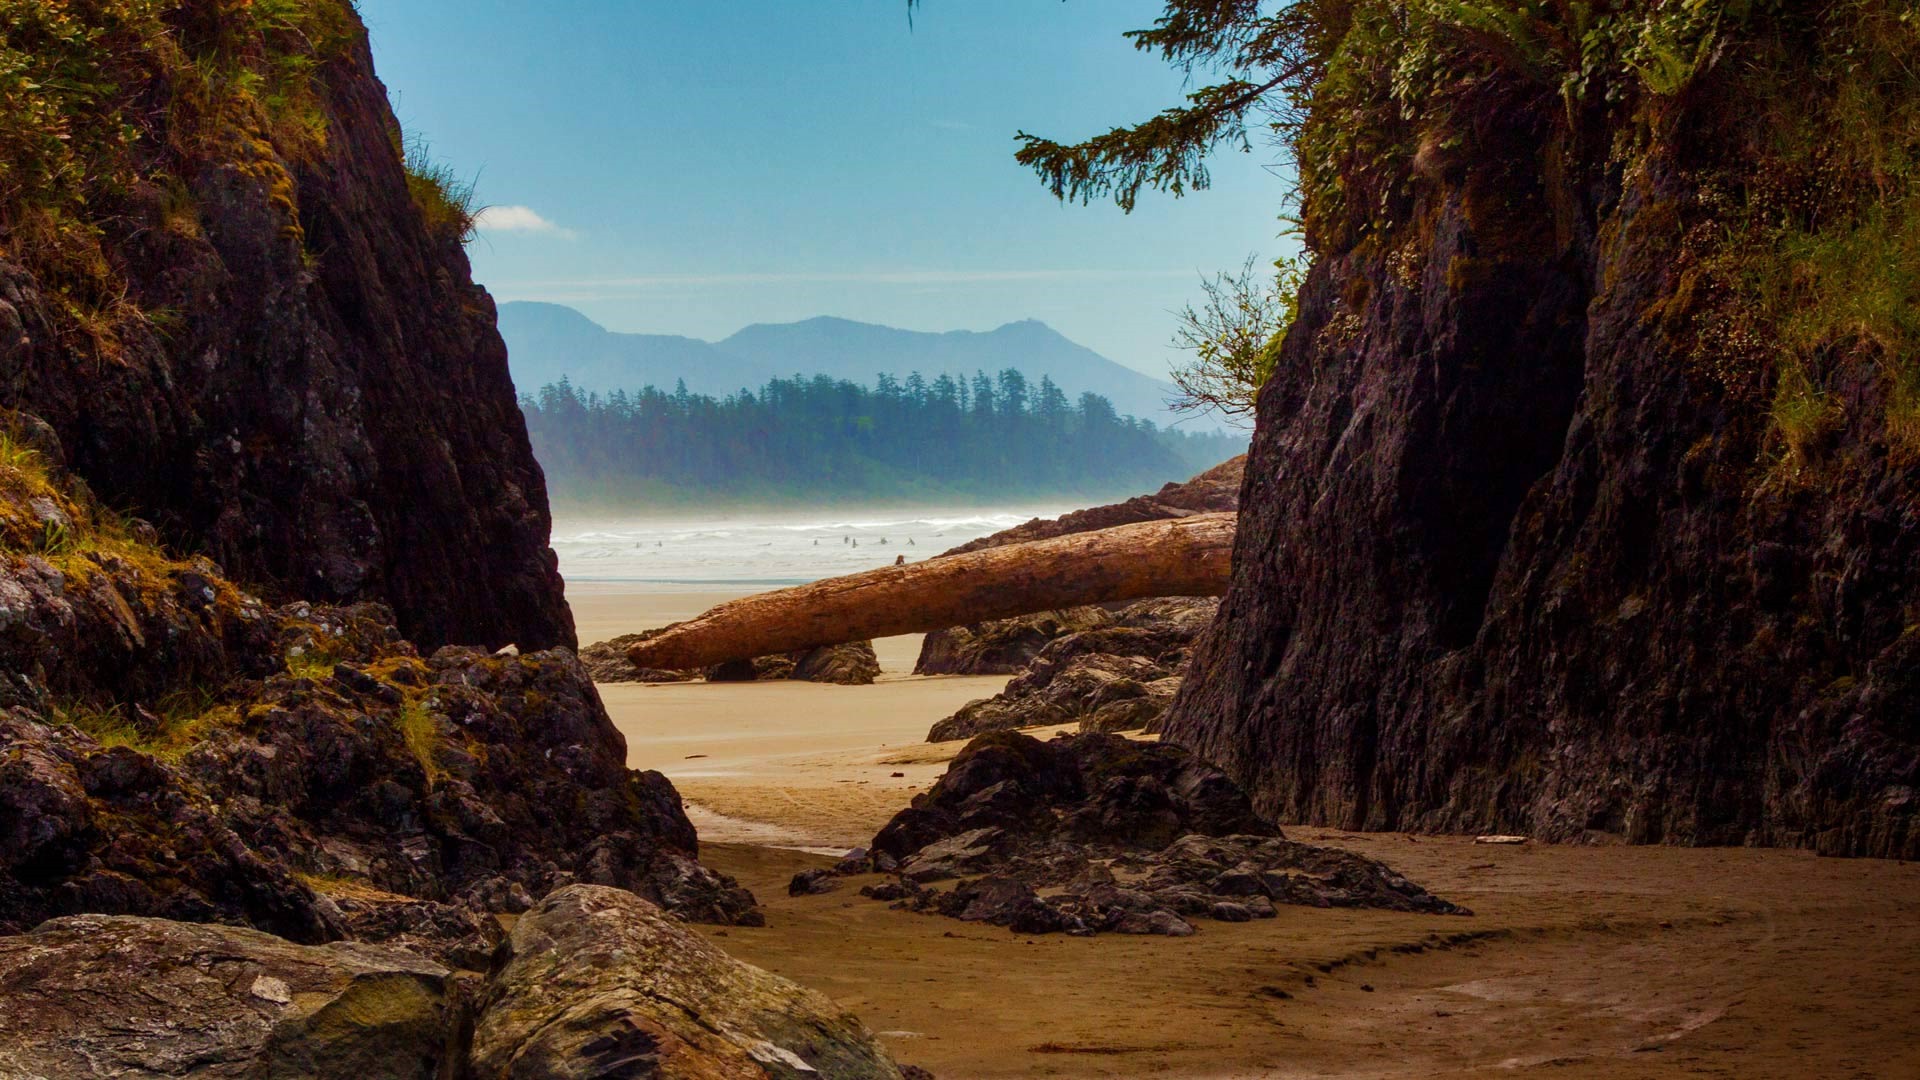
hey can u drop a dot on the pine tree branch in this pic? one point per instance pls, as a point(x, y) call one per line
point(1167, 152)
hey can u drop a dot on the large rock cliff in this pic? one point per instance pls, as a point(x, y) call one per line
point(254, 337)
point(234, 322)
point(1583, 498)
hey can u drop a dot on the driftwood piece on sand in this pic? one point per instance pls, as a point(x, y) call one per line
point(1188, 556)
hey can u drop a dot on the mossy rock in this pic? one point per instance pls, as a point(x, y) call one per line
point(220, 1002)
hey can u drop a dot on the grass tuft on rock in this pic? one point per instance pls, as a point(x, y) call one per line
point(421, 730)
point(446, 200)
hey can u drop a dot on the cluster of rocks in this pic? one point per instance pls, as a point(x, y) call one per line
point(592, 982)
point(1107, 669)
point(239, 840)
point(1094, 832)
point(171, 746)
point(851, 664)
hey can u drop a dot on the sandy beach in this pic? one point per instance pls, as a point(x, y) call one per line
point(1578, 962)
point(790, 763)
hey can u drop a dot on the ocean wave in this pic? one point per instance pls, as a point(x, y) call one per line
point(774, 551)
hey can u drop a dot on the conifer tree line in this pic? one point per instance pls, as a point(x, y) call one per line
point(900, 438)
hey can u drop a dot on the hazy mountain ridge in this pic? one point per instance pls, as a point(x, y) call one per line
point(547, 341)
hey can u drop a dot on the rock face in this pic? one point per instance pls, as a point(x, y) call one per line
point(1093, 833)
point(1120, 673)
point(1508, 562)
point(596, 982)
point(328, 409)
point(328, 414)
point(126, 997)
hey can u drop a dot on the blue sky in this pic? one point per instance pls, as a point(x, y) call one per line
point(690, 168)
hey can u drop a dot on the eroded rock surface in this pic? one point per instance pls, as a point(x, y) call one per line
point(1094, 832)
point(104, 996)
point(597, 982)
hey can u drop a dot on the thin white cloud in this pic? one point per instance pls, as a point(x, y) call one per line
point(867, 277)
point(520, 219)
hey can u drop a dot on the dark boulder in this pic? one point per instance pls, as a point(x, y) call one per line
point(1038, 836)
point(1002, 646)
point(813, 882)
point(1118, 676)
point(89, 829)
point(909, 831)
point(851, 664)
point(428, 793)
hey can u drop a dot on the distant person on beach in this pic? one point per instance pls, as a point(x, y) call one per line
point(900, 560)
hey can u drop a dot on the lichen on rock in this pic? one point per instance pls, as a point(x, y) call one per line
point(95, 995)
point(598, 982)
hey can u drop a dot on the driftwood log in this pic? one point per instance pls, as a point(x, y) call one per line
point(1188, 556)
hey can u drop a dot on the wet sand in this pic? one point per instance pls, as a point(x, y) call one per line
point(1578, 962)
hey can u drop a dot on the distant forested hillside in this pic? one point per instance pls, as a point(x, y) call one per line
point(986, 437)
point(547, 342)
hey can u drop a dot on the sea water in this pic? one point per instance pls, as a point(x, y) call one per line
point(769, 548)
